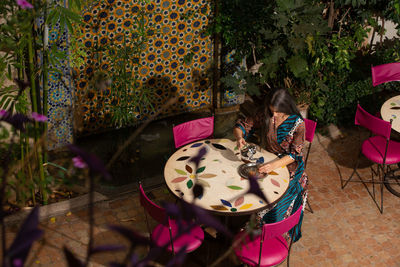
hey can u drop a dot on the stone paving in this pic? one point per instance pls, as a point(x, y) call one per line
point(346, 228)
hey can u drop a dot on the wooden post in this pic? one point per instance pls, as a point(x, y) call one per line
point(216, 61)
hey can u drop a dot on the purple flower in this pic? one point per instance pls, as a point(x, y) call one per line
point(106, 248)
point(198, 190)
point(3, 113)
point(255, 189)
point(202, 216)
point(172, 210)
point(38, 117)
point(135, 238)
point(72, 260)
point(93, 162)
point(178, 258)
point(79, 162)
point(17, 120)
point(21, 84)
point(18, 263)
point(24, 4)
point(196, 159)
point(29, 232)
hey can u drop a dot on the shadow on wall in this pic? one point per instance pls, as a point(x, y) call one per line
point(145, 157)
point(158, 89)
point(197, 92)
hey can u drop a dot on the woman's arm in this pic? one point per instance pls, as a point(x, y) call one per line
point(270, 166)
point(293, 154)
point(245, 126)
point(238, 133)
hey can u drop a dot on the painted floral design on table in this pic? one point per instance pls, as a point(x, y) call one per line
point(190, 174)
point(394, 106)
point(217, 171)
point(233, 207)
point(395, 103)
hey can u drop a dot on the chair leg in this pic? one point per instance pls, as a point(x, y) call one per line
point(352, 174)
point(380, 173)
point(290, 247)
point(381, 209)
point(373, 179)
point(309, 206)
point(208, 255)
point(392, 181)
point(381, 182)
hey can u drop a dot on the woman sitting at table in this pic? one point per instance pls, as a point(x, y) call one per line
point(282, 133)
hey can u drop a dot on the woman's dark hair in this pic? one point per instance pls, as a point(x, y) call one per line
point(283, 102)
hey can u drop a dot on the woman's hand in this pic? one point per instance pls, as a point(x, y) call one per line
point(266, 168)
point(240, 142)
point(269, 167)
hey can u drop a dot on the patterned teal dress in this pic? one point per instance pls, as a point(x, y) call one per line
point(286, 139)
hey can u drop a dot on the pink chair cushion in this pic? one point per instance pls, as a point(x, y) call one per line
point(374, 149)
point(385, 73)
point(274, 250)
point(192, 239)
point(156, 212)
point(194, 130)
point(310, 129)
point(372, 123)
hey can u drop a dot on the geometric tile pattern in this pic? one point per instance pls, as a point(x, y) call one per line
point(60, 92)
point(175, 32)
point(229, 67)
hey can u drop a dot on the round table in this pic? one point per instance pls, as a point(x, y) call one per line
point(223, 187)
point(391, 110)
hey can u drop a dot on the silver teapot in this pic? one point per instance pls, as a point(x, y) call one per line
point(248, 151)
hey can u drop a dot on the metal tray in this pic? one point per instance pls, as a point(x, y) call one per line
point(245, 170)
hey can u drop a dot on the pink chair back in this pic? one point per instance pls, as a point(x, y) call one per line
point(385, 73)
point(194, 130)
point(310, 129)
point(156, 212)
point(272, 230)
point(372, 123)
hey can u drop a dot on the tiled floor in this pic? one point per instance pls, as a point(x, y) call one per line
point(346, 228)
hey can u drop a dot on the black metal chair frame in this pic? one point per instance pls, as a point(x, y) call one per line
point(305, 166)
point(291, 235)
point(382, 172)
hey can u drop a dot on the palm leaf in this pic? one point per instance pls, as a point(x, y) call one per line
point(7, 97)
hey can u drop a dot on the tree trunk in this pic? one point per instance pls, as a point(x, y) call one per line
point(216, 76)
point(331, 18)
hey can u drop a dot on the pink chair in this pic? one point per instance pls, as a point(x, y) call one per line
point(385, 73)
point(310, 132)
point(270, 248)
point(166, 233)
point(377, 148)
point(194, 130)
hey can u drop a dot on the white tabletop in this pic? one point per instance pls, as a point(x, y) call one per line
point(388, 113)
point(223, 187)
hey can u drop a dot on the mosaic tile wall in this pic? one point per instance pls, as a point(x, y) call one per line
point(175, 32)
point(60, 92)
point(229, 97)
